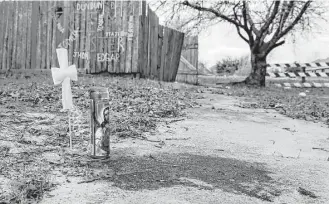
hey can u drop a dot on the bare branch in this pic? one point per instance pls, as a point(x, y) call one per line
point(269, 20)
point(211, 10)
point(248, 31)
point(250, 21)
point(274, 46)
point(297, 19)
point(240, 34)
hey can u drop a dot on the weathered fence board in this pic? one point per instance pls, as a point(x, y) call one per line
point(160, 44)
point(140, 66)
point(188, 66)
point(164, 53)
point(10, 36)
point(2, 15)
point(28, 36)
point(135, 31)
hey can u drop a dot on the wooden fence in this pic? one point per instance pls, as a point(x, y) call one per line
point(161, 48)
point(101, 36)
point(188, 66)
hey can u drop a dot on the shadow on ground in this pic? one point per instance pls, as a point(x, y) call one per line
point(204, 172)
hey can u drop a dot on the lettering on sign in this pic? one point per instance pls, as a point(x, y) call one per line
point(100, 22)
point(113, 34)
point(112, 39)
point(102, 57)
point(73, 36)
point(89, 6)
point(112, 12)
point(60, 27)
point(81, 55)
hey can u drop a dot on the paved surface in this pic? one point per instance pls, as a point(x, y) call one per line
point(220, 154)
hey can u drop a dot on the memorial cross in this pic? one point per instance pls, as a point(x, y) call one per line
point(64, 75)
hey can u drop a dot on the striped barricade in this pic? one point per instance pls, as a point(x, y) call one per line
point(298, 74)
point(286, 67)
point(303, 85)
point(282, 70)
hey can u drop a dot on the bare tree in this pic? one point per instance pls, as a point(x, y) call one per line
point(264, 25)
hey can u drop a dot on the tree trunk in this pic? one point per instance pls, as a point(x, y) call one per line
point(258, 71)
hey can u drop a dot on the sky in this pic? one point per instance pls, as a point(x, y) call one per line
point(222, 41)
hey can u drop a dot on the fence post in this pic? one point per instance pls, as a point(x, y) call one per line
point(34, 29)
point(303, 78)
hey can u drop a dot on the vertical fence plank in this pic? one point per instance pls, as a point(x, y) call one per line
point(107, 13)
point(123, 27)
point(76, 27)
point(160, 43)
point(24, 27)
point(171, 53)
point(145, 43)
point(73, 27)
point(38, 43)
point(129, 42)
point(141, 38)
point(100, 64)
point(83, 35)
point(164, 53)
point(20, 32)
point(88, 36)
point(93, 41)
point(15, 28)
point(54, 32)
point(10, 34)
point(128, 28)
point(14, 64)
point(70, 23)
point(65, 15)
point(43, 38)
point(3, 54)
point(49, 34)
point(2, 28)
point(117, 26)
point(155, 46)
point(103, 40)
point(166, 57)
point(177, 55)
point(135, 44)
point(28, 36)
point(149, 42)
point(108, 22)
point(60, 33)
point(111, 25)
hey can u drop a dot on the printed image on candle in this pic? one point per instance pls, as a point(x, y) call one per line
point(102, 132)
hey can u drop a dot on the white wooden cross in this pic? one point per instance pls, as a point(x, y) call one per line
point(64, 75)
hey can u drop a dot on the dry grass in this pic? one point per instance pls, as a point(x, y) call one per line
point(34, 133)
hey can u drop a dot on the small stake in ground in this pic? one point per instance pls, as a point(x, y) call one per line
point(64, 75)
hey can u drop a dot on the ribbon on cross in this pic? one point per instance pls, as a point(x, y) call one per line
point(64, 75)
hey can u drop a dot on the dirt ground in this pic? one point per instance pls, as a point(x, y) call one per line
point(219, 153)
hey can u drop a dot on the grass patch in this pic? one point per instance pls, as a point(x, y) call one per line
point(313, 107)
